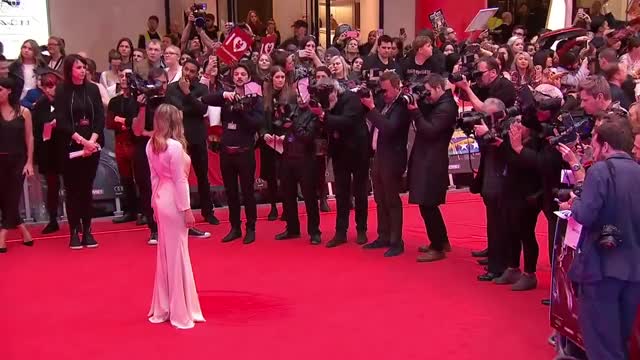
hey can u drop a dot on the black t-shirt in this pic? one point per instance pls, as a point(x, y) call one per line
point(126, 107)
point(373, 62)
point(412, 72)
point(500, 88)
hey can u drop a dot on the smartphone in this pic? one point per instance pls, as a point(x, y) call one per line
point(302, 53)
point(402, 31)
point(380, 32)
point(352, 34)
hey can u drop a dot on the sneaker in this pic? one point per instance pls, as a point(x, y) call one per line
point(212, 219)
point(526, 282)
point(74, 242)
point(88, 240)
point(196, 233)
point(153, 239)
point(510, 276)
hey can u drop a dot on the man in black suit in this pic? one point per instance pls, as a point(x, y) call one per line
point(185, 95)
point(390, 128)
point(349, 151)
point(435, 120)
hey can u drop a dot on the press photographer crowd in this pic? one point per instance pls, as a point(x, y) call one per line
point(555, 116)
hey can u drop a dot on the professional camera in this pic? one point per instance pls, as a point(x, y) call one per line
point(498, 128)
point(468, 65)
point(242, 103)
point(414, 93)
point(149, 88)
point(199, 11)
point(320, 95)
point(571, 127)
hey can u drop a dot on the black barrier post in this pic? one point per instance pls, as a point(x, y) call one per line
point(119, 191)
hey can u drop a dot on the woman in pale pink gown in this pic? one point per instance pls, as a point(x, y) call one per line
point(174, 293)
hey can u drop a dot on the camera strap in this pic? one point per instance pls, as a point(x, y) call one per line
point(612, 175)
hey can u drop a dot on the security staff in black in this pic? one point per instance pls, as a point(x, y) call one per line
point(185, 95)
point(242, 116)
point(390, 128)
point(350, 152)
point(80, 120)
point(298, 167)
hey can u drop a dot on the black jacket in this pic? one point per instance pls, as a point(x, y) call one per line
point(66, 124)
point(193, 110)
point(47, 154)
point(429, 161)
point(347, 127)
point(16, 73)
point(393, 131)
point(247, 122)
point(300, 134)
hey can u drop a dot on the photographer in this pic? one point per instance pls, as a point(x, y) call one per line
point(606, 264)
point(242, 117)
point(299, 167)
point(185, 95)
point(390, 119)
point(121, 111)
point(489, 183)
point(350, 152)
point(489, 84)
point(435, 120)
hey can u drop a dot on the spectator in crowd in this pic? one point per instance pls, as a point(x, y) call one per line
point(299, 33)
point(24, 70)
point(111, 79)
point(4, 67)
point(55, 46)
point(271, 29)
point(125, 48)
point(151, 33)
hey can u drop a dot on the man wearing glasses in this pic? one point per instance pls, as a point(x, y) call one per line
point(488, 84)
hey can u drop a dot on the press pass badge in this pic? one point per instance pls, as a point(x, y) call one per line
point(232, 126)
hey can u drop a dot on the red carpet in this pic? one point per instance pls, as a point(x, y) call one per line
point(272, 300)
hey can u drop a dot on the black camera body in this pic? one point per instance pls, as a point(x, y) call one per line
point(498, 128)
point(199, 11)
point(243, 103)
point(320, 95)
point(149, 88)
point(571, 127)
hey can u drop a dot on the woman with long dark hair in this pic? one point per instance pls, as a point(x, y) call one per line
point(278, 97)
point(125, 48)
point(25, 69)
point(80, 119)
point(253, 20)
point(16, 160)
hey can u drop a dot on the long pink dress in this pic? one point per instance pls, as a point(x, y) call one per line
point(174, 293)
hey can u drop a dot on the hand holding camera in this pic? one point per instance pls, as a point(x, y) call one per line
point(480, 130)
point(368, 102)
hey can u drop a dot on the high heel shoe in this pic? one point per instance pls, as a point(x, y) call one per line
point(3, 250)
point(28, 243)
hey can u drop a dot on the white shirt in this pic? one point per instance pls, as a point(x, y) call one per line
point(177, 76)
point(30, 80)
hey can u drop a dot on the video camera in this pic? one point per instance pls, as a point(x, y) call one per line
point(468, 58)
point(571, 127)
point(498, 128)
point(413, 93)
point(199, 11)
point(320, 95)
point(149, 88)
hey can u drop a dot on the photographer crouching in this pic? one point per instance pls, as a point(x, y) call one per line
point(606, 264)
point(434, 113)
point(390, 121)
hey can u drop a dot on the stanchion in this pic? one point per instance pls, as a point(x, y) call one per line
point(119, 191)
point(27, 201)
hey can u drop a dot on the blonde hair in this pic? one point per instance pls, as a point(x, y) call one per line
point(345, 66)
point(167, 124)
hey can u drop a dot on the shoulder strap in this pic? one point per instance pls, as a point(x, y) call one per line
point(612, 176)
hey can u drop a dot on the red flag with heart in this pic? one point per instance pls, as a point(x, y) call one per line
point(234, 46)
point(268, 44)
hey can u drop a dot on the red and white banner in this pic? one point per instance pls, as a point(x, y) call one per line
point(268, 44)
point(234, 46)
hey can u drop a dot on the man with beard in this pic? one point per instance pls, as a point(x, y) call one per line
point(435, 120)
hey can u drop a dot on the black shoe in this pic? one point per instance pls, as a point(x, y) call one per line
point(127, 217)
point(481, 253)
point(74, 242)
point(51, 227)
point(377, 244)
point(362, 238)
point(324, 205)
point(142, 220)
point(283, 217)
point(197, 233)
point(88, 240)
point(394, 250)
point(447, 247)
point(489, 276)
point(273, 214)
point(3, 250)
point(315, 239)
point(249, 237)
point(484, 262)
point(212, 219)
point(153, 239)
point(338, 239)
point(28, 243)
point(232, 235)
point(546, 302)
point(286, 235)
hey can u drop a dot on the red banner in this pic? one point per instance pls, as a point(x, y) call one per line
point(268, 44)
point(234, 46)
